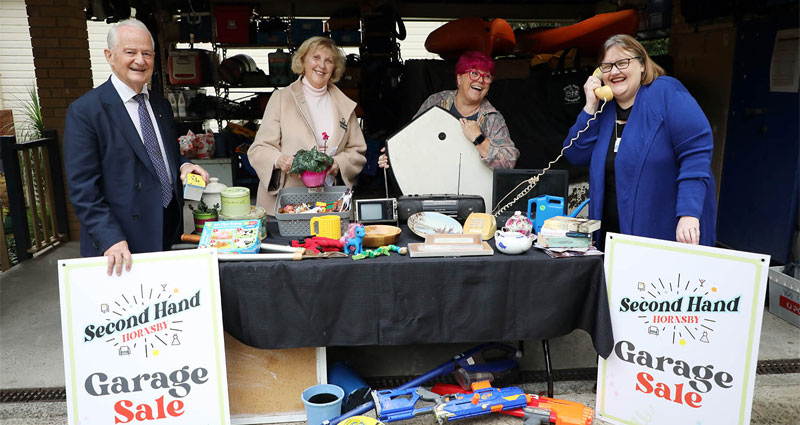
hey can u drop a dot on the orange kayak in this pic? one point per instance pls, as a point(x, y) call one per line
point(588, 35)
point(494, 38)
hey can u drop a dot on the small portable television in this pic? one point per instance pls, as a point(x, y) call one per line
point(381, 210)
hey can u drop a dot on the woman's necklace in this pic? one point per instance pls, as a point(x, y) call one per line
point(617, 139)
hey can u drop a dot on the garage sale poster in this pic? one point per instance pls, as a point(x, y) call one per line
point(687, 323)
point(146, 346)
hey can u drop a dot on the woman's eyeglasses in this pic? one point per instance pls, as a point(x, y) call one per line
point(477, 75)
point(621, 64)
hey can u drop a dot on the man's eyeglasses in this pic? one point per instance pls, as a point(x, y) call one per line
point(477, 75)
point(621, 64)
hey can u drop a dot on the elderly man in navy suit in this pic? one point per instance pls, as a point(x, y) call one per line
point(124, 171)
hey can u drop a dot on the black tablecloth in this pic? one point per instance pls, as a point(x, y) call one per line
point(400, 300)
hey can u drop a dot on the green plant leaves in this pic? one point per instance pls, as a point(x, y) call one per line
point(310, 160)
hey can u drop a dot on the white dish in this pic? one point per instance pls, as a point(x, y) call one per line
point(428, 223)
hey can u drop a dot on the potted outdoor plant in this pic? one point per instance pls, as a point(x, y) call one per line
point(203, 214)
point(312, 165)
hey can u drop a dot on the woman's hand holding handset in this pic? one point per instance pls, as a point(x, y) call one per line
point(595, 91)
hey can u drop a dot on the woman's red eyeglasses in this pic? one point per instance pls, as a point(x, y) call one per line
point(477, 75)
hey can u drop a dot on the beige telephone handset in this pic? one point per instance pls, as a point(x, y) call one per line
point(603, 93)
point(482, 224)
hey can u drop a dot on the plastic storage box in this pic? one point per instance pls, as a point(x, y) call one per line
point(784, 296)
point(233, 23)
point(299, 224)
point(303, 29)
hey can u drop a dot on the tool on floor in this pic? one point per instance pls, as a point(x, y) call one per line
point(475, 355)
point(396, 405)
point(539, 410)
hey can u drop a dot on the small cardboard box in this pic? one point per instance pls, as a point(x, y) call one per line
point(232, 237)
point(195, 185)
point(784, 296)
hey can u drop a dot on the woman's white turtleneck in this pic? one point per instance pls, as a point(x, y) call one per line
point(319, 105)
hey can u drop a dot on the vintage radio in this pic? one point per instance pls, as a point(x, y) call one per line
point(456, 206)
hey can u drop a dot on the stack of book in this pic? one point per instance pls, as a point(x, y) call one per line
point(567, 232)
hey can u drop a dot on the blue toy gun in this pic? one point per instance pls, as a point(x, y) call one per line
point(395, 405)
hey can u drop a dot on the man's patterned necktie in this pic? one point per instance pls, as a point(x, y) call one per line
point(153, 150)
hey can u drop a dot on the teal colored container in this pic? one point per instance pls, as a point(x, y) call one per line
point(235, 201)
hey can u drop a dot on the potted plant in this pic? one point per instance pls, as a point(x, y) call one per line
point(312, 164)
point(203, 214)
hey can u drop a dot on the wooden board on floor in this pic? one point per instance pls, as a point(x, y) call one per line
point(264, 386)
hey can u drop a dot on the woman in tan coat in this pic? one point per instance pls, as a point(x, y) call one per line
point(310, 112)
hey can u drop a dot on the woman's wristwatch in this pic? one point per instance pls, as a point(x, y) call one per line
point(478, 140)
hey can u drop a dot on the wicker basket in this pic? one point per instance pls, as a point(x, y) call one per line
point(300, 224)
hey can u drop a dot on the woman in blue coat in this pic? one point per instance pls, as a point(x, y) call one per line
point(648, 152)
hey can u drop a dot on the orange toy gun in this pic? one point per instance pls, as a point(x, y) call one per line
point(552, 411)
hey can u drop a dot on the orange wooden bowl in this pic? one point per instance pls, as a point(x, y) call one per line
point(377, 235)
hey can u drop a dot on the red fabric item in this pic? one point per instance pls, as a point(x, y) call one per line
point(319, 243)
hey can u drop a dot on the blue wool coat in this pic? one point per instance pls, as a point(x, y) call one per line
point(663, 165)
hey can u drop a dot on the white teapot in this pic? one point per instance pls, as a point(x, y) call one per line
point(509, 242)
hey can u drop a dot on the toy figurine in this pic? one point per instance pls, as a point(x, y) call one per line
point(383, 250)
point(353, 239)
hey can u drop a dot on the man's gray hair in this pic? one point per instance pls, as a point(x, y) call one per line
point(112, 39)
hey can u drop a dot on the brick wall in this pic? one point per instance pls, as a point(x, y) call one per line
point(61, 58)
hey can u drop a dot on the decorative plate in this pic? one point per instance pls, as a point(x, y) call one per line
point(426, 223)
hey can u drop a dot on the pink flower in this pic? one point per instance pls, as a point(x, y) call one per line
point(325, 142)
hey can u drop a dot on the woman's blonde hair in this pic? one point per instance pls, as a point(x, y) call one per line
point(310, 46)
point(651, 69)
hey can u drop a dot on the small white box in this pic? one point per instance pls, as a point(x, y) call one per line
point(784, 296)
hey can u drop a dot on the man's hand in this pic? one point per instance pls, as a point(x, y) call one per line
point(688, 230)
point(118, 254)
point(193, 168)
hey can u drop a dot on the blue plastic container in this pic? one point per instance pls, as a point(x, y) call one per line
point(356, 391)
point(329, 409)
point(546, 206)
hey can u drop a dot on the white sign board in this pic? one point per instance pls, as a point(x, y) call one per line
point(146, 346)
point(431, 155)
point(687, 323)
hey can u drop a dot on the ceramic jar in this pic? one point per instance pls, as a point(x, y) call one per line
point(519, 223)
point(212, 195)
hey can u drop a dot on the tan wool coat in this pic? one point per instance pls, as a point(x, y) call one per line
point(287, 127)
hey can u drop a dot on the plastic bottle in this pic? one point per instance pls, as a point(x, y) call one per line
point(280, 67)
point(181, 105)
point(173, 103)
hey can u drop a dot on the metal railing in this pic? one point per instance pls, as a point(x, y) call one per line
point(37, 203)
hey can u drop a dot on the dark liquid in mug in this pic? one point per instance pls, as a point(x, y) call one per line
point(322, 398)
